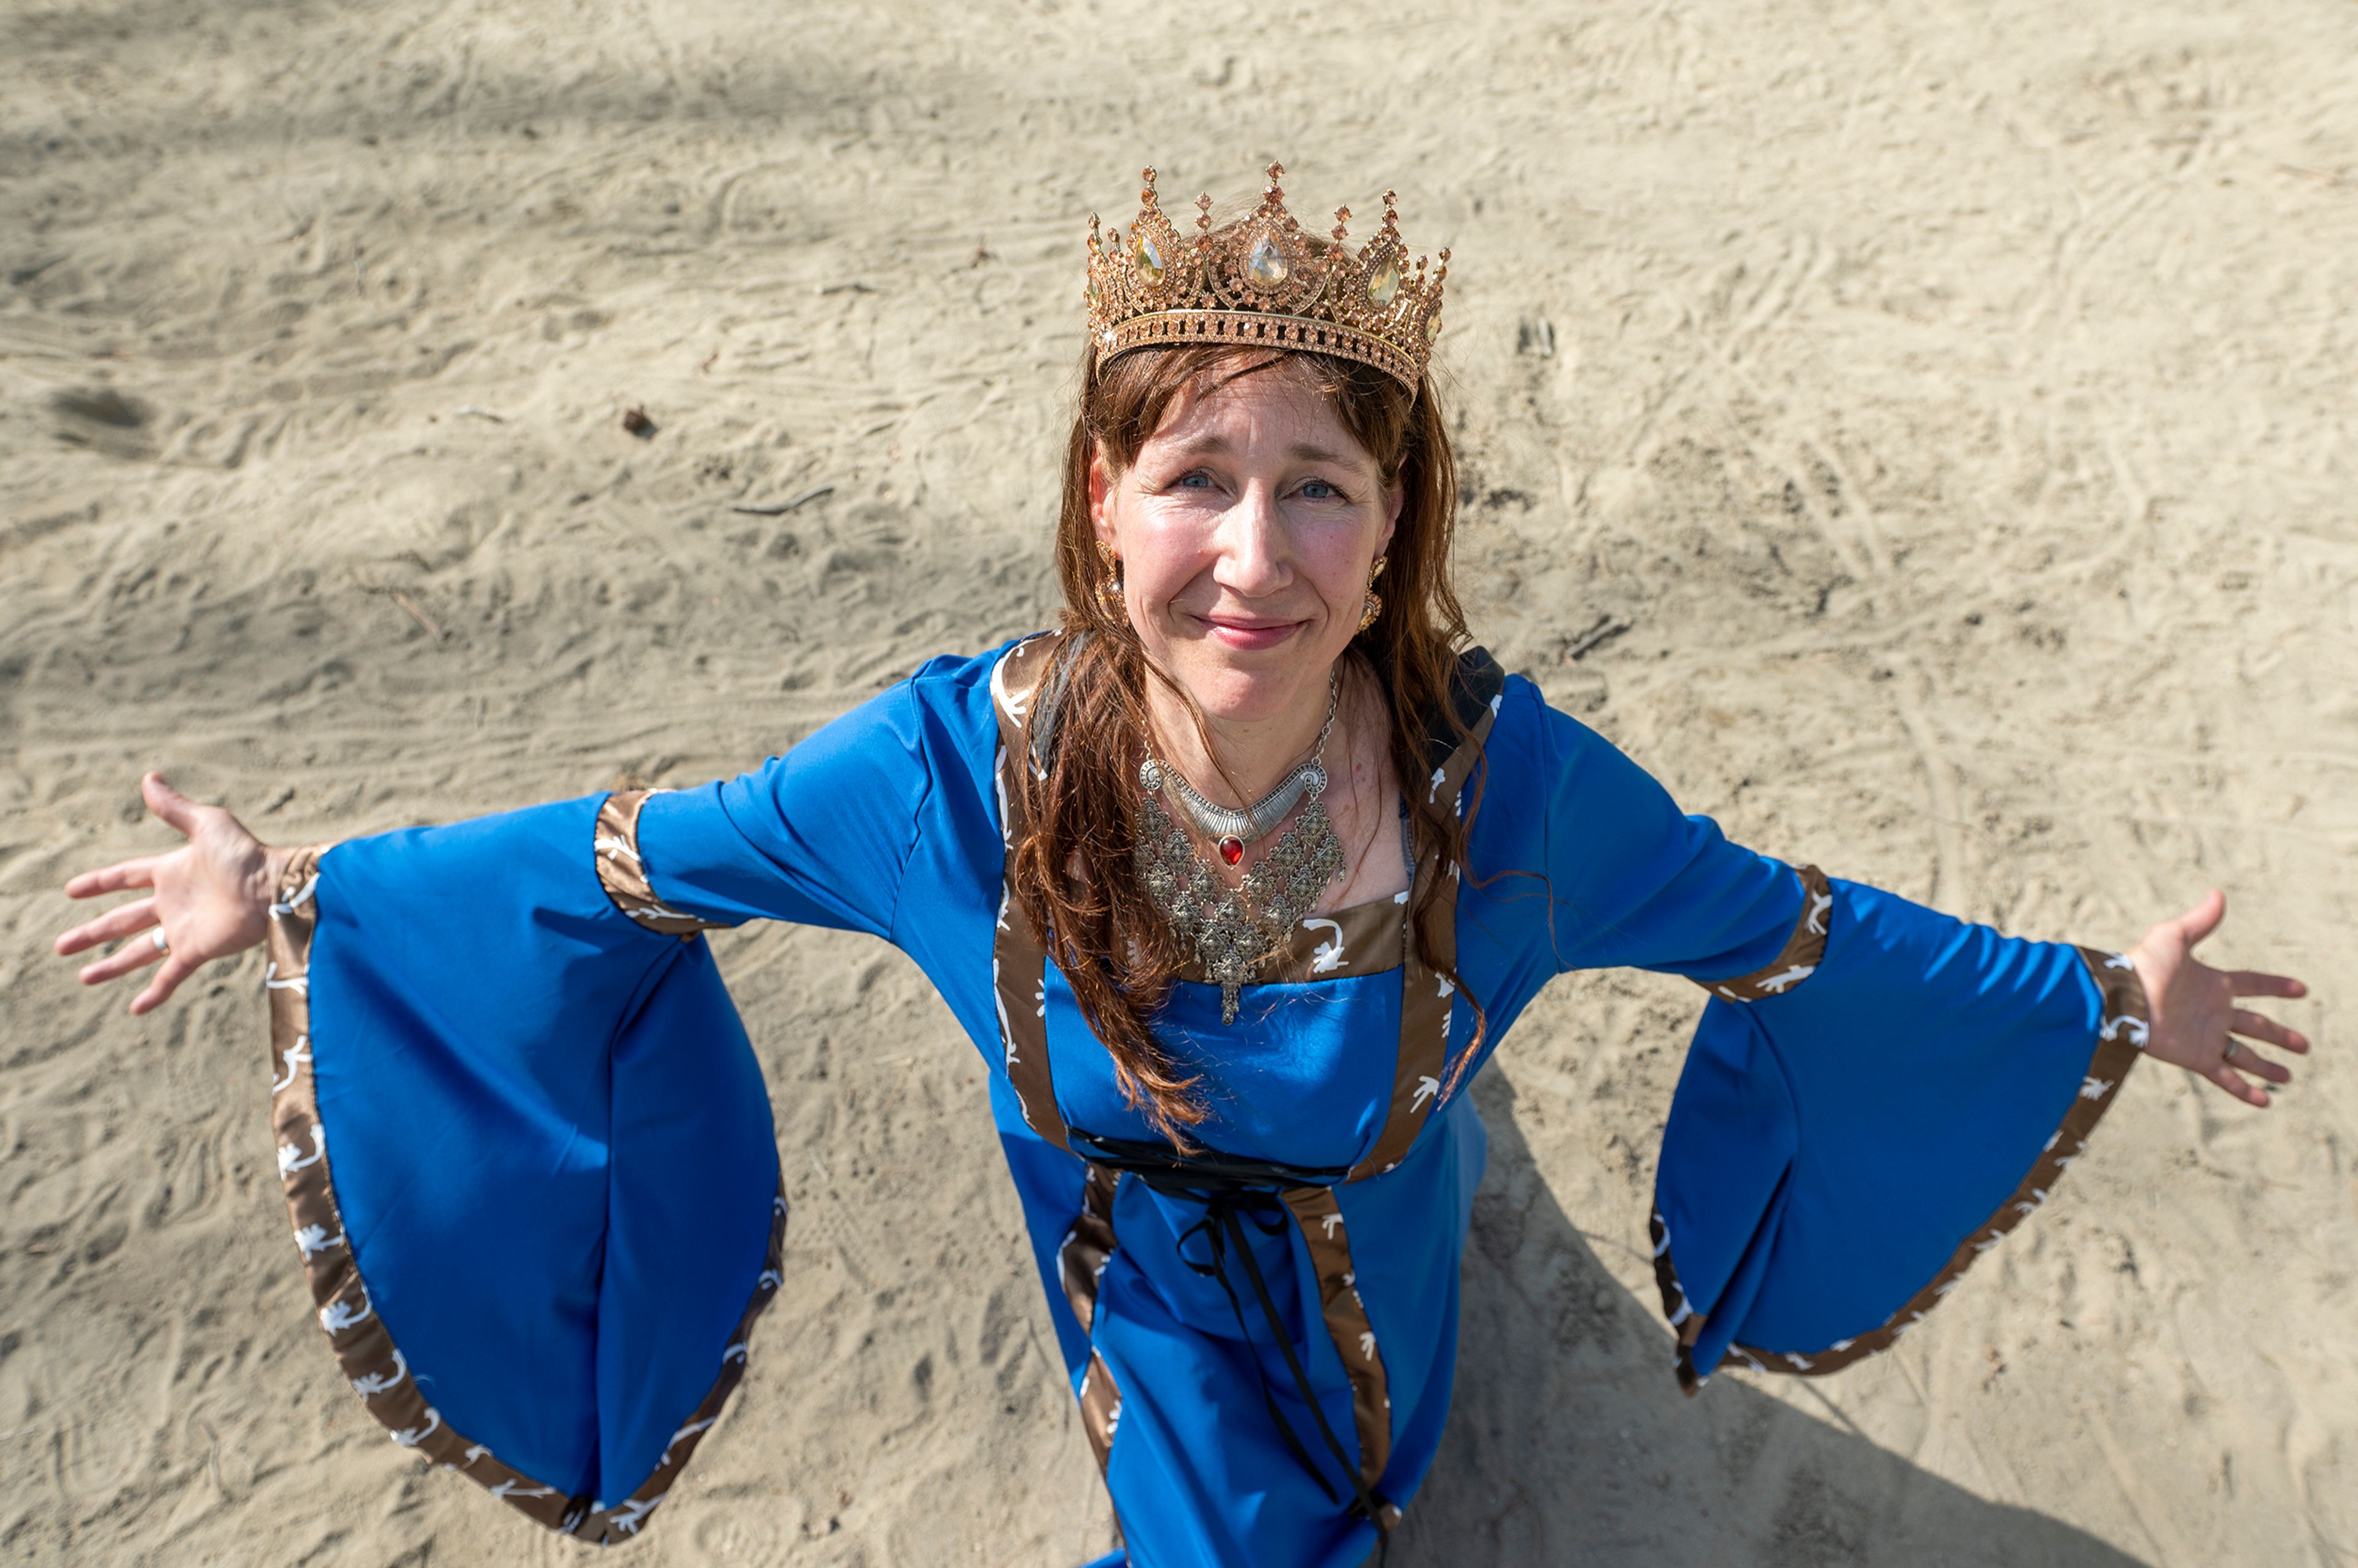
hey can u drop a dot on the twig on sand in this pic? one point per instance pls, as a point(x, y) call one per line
point(772, 509)
point(2336, 178)
point(432, 629)
point(1603, 632)
point(212, 1453)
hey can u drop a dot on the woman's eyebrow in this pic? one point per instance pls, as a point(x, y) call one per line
point(1213, 443)
point(1209, 443)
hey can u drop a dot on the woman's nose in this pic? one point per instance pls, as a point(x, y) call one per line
point(1252, 546)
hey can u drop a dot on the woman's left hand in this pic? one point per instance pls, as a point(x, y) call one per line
point(2194, 1020)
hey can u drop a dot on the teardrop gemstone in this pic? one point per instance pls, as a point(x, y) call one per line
point(1266, 265)
point(1232, 849)
point(1385, 283)
point(1149, 258)
point(1432, 327)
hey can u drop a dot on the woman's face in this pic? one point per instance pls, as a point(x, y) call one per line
point(1246, 528)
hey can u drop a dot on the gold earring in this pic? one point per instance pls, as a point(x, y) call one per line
point(1375, 605)
point(1108, 590)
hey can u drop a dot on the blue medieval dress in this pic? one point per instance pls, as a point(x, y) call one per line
point(515, 1019)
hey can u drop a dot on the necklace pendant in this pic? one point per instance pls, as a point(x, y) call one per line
point(1232, 929)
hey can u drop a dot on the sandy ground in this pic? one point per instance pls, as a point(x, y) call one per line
point(1954, 404)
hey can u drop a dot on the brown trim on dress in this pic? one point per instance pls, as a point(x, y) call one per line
point(1081, 1259)
point(1320, 1220)
point(1421, 1060)
point(1018, 972)
point(1805, 949)
point(2120, 1041)
point(1684, 1320)
point(1100, 1399)
point(624, 875)
point(1019, 962)
point(364, 1349)
point(1360, 939)
point(1088, 1245)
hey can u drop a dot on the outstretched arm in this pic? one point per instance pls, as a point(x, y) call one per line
point(1876, 1093)
point(526, 1145)
point(818, 836)
point(1634, 881)
point(209, 898)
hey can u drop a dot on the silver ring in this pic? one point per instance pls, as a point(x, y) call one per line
point(163, 943)
point(2233, 1046)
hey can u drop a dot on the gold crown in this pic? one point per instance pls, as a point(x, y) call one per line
point(1263, 283)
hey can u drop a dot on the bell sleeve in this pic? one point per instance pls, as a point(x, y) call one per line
point(1876, 1093)
point(527, 1146)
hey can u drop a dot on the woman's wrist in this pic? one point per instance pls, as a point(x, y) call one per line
point(262, 891)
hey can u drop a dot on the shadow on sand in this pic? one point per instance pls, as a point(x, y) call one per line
point(1569, 1441)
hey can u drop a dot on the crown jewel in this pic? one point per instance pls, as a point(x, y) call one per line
point(1263, 283)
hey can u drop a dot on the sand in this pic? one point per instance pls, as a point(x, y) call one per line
point(1921, 436)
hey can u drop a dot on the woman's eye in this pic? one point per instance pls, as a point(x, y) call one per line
point(1319, 490)
point(1197, 481)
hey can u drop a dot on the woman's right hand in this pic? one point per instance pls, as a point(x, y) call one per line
point(210, 899)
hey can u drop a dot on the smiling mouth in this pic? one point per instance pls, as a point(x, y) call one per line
point(1250, 634)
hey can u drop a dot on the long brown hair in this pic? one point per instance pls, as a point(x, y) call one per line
point(1073, 872)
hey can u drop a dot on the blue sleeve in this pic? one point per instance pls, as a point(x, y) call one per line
point(528, 1155)
point(821, 836)
point(1875, 1092)
point(1630, 881)
point(526, 1145)
point(1841, 1148)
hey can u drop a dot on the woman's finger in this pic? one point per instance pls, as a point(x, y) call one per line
point(138, 873)
point(2252, 982)
point(168, 980)
point(2235, 1083)
point(2203, 919)
point(2260, 1026)
point(122, 921)
point(136, 954)
point(2244, 1059)
point(170, 804)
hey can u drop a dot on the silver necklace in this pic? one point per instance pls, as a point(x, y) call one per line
point(1233, 929)
point(1231, 828)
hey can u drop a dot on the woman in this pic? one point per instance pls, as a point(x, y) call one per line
point(1236, 881)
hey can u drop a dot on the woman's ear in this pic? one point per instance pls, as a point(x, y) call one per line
point(1395, 500)
point(1100, 486)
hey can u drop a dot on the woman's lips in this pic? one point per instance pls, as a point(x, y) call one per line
point(1249, 636)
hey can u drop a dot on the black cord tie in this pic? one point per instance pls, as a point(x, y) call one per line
point(1223, 1230)
point(1219, 1220)
point(1231, 1186)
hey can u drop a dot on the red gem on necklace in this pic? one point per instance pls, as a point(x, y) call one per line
point(1232, 848)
